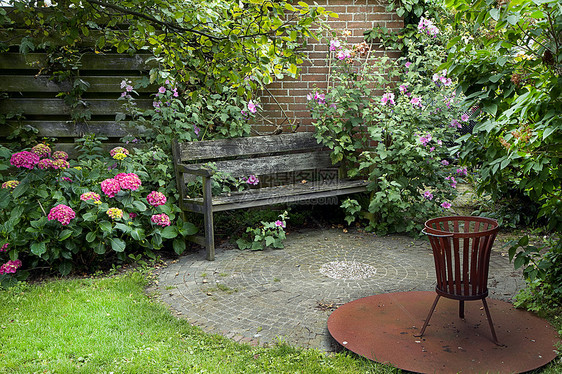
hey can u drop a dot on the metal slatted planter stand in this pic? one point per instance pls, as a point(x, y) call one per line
point(461, 250)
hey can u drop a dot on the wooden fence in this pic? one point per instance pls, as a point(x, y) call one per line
point(25, 90)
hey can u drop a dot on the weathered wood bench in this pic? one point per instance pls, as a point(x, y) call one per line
point(291, 167)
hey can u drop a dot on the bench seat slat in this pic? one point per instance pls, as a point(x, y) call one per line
point(255, 145)
point(279, 195)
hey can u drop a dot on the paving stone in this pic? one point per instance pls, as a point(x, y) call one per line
point(279, 291)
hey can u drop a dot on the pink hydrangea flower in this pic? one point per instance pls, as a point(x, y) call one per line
point(45, 163)
point(132, 215)
point(60, 164)
point(41, 150)
point(156, 198)
point(114, 213)
point(10, 184)
point(4, 247)
point(428, 195)
point(110, 187)
point(253, 180)
point(60, 155)
point(10, 267)
point(161, 219)
point(90, 196)
point(67, 179)
point(24, 159)
point(61, 213)
point(128, 181)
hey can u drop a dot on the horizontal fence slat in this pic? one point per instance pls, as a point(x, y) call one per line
point(31, 83)
point(53, 107)
point(67, 129)
point(89, 61)
point(255, 145)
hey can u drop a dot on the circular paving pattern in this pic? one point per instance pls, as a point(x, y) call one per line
point(347, 270)
point(263, 296)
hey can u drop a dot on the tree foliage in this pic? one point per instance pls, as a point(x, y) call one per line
point(508, 64)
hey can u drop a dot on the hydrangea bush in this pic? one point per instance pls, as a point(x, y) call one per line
point(390, 121)
point(63, 213)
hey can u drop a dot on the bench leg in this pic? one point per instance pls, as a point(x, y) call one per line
point(208, 219)
point(209, 236)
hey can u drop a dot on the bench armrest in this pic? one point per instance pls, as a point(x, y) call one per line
point(196, 170)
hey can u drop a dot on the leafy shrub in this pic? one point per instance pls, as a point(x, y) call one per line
point(62, 213)
point(393, 132)
point(268, 234)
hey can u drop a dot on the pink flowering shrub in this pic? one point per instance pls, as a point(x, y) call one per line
point(65, 211)
point(391, 123)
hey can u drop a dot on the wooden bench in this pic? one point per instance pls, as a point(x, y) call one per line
point(291, 168)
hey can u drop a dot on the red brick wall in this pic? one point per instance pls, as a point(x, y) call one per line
point(288, 104)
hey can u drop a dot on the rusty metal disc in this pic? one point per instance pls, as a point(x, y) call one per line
point(382, 328)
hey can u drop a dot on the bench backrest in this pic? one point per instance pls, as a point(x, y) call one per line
point(258, 155)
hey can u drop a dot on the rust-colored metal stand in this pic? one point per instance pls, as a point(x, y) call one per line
point(461, 250)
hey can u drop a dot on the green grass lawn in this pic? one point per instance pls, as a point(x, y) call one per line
point(109, 324)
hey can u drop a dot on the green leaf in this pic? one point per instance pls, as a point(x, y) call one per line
point(169, 232)
point(91, 236)
point(495, 14)
point(20, 189)
point(139, 205)
point(124, 228)
point(138, 234)
point(65, 268)
point(117, 244)
point(179, 246)
point(106, 226)
point(65, 234)
point(269, 240)
point(242, 244)
point(519, 261)
point(99, 248)
point(38, 248)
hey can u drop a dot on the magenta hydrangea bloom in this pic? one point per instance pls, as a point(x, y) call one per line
point(41, 150)
point(10, 184)
point(10, 267)
point(4, 247)
point(46, 163)
point(110, 187)
point(24, 159)
point(161, 219)
point(90, 196)
point(61, 213)
point(60, 155)
point(132, 215)
point(128, 181)
point(156, 198)
point(60, 164)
